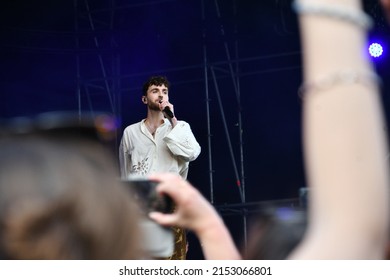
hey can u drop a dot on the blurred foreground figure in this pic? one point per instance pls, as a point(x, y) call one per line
point(195, 213)
point(275, 233)
point(345, 142)
point(60, 198)
point(386, 8)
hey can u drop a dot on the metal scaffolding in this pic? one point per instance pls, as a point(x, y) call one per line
point(100, 36)
point(109, 82)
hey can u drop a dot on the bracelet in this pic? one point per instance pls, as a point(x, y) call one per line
point(348, 77)
point(356, 17)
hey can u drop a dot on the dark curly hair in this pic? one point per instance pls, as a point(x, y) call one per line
point(155, 81)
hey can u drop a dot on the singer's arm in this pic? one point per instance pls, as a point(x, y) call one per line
point(173, 121)
point(182, 142)
point(167, 109)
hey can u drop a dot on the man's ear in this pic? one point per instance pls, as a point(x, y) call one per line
point(144, 100)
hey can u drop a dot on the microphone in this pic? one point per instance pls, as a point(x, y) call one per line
point(168, 111)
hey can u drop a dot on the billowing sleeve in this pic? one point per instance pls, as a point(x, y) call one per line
point(124, 158)
point(181, 142)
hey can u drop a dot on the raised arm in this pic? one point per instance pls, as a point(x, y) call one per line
point(344, 136)
point(182, 142)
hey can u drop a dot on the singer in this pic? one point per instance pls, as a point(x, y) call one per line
point(159, 143)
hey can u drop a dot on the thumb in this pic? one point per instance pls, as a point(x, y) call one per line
point(163, 219)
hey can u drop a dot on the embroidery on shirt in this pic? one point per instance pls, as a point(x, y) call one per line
point(141, 167)
point(186, 143)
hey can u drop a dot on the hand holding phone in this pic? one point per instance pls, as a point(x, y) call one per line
point(144, 192)
point(158, 240)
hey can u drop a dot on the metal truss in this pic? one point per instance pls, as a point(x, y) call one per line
point(94, 28)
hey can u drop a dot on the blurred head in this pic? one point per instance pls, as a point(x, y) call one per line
point(275, 233)
point(60, 199)
point(386, 8)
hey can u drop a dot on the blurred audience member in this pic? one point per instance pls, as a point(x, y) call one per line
point(275, 233)
point(60, 198)
point(344, 141)
point(195, 213)
point(386, 8)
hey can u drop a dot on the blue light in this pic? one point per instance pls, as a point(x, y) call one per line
point(375, 50)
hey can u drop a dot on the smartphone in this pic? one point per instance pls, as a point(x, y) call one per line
point(144, 192)
point(156, 240)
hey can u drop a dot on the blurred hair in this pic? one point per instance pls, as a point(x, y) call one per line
point(275, 233)
point(60, 199)
point(155, 81)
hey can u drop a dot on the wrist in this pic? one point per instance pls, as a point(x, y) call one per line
point(209, 225)
point(173, 121)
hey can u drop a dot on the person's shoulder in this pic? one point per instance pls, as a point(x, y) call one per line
point(182, 122)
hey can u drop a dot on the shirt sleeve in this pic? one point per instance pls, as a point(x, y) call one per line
point(181, 142)
point(124, 158)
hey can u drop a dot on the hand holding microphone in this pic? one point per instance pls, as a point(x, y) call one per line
point(166, 109)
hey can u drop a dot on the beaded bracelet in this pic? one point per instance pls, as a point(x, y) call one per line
point(367, 78)
point(356, 17)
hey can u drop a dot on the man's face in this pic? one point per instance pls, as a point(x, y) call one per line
point(155, 95)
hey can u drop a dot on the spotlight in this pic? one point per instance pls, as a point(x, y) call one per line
point(375, 49)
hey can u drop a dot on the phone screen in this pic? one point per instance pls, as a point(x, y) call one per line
point(144, 192)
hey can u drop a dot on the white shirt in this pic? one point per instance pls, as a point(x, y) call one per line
point(170, 150)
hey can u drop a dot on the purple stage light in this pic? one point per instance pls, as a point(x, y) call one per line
point(375, 49)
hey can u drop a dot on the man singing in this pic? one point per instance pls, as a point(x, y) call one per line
point(159, 143)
